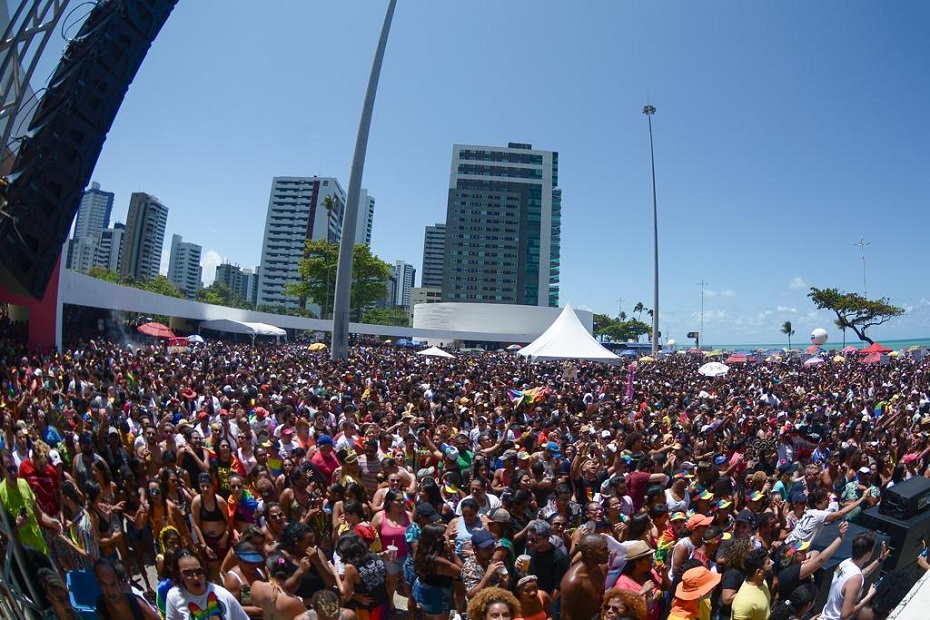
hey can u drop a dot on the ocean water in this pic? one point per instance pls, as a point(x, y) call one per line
point(803, 343)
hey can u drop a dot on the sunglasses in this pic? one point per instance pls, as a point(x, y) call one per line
point(190, 573)
point(616, 608)
point(154, 491)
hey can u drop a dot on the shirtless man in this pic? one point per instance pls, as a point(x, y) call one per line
point(583, 584)
point(271, 598)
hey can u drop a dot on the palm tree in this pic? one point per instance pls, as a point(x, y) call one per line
point(787, 329)
point(638, 309)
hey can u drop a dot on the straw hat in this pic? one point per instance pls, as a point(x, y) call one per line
point(637, 549)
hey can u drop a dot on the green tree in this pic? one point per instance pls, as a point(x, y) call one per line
point(104, 274)
point(788, 330)
point(638, 309)
point(369, 278)
point(858, 313)
point(160, 285)
point(317, 271)
point(623, 330)
point(397, 317)
point(220, 294)
point(601, 321)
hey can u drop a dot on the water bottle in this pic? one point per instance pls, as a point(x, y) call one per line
point(246, 595)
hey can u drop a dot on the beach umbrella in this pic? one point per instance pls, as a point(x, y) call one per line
point(514, 347)
point(814, 361)
point(316, 347)
point(894, 354)
point(736, 358)
point(156, 329)
point(773, 358)
point(646, 359)
point(715, 353)
point(813, 349)
point(713, 369)
point(871, 358)
point(196, 338)
point(850, 349)
point(695, 351)
point(839, 358)
point(874, 348)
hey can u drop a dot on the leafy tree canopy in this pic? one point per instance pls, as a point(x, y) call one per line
point(317, 271)
point(397, 317)
point(854, 310)
point(621, 328)
point(159, 284)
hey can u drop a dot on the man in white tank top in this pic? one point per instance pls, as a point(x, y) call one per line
point(843, 601)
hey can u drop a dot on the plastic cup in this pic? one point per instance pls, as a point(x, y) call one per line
point(523, 563)
point(392, 552)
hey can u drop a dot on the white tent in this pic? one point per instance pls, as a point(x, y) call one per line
point(435, 352)
point(243, 327)
point(567, 338)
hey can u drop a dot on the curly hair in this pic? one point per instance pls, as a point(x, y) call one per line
point(293, 533)
point(736, 552)
point(478, 605)
point(633, 604)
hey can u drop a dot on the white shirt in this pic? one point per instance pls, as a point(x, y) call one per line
point(182, 605)
point(491, 502)
point(809, 526)
point(833, 610)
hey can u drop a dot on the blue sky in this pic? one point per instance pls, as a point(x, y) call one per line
point(784, 133)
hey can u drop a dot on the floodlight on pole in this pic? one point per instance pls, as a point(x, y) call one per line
point(649, 110)
point(862, 243)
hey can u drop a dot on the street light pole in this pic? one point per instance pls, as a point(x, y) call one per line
point(702, 284)
point(649, 110)
point(342, 297)
point(862, 243)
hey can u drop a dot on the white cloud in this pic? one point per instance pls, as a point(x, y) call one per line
point(709, 292)
point(797, 283)
point(729, 293)
point(209, 261)
point(786, 309)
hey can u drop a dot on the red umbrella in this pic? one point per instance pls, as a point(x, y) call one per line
point(156, 329)
point(736, 358)
point(874, 348)
point(871, 358)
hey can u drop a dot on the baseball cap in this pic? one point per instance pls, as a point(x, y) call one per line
point(698, 520)
point(324, 440)
point(54, 457)
point(745, 515)
point(482, 539)
point(427, 511)
point(554, 449)
point(246, 552)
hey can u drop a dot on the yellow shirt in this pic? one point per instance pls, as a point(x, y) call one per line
point(752, 602)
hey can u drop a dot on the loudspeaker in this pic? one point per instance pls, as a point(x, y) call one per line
point(908, 537)
point(824, 576)
point(906, 499)
point(66, 135)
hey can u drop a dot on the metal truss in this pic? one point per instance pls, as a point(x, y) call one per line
point(25, 36)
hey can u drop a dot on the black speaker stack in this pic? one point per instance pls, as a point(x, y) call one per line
point(57, 157)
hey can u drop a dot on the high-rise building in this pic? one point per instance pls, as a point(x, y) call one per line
point(184, 270)
point(250, 277)
point(503, 226)
point(403, 276)
point(109, 245)
point(94, 212)
point(93, 216)
point(144, 237)
point(296, 212)
point(434, 247)
point(366, 216)
point(234, 278)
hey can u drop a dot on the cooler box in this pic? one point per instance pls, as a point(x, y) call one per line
point(83, 592)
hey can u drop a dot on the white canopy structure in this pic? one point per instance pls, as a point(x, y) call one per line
point(435, 352)
point(567, 338)
point(243, 327)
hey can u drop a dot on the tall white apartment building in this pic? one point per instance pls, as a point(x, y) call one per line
point(402, 276)
point(184, 270)
point(144, 237)
point(296, 212)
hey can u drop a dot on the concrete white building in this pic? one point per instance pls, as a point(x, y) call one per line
point(184, 270)
point(366, 216)
point(94, 212)
point(144, 237)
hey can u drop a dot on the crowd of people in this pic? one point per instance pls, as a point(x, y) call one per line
point(266, 481)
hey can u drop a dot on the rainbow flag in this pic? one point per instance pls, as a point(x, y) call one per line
point(530, 397)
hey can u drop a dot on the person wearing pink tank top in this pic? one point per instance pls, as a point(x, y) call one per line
point(391, 524)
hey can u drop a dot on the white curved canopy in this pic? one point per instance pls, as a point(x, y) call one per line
point(243, 327)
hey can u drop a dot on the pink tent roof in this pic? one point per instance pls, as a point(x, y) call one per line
point(871, 358)
point(875, 348)
point(736, 358)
